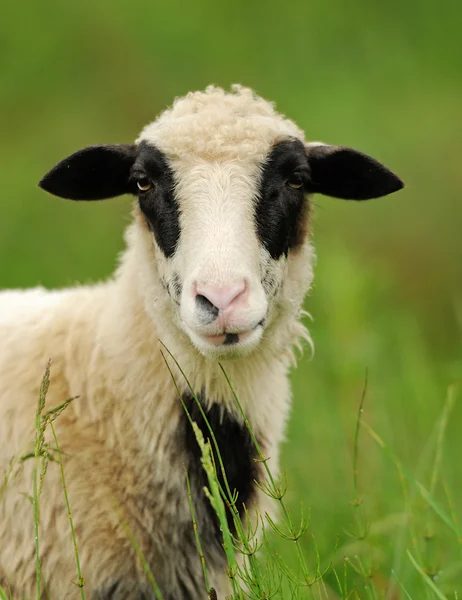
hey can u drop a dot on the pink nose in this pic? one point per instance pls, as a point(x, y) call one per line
point(222, 296)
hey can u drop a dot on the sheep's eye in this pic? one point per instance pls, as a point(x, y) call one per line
point(295, 181)
point(144, 183)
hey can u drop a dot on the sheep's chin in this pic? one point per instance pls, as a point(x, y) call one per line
point(224, 346)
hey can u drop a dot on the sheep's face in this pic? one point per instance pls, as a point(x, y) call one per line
point(224, 232)
point(223, 184)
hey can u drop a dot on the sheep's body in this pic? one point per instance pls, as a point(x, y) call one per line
point(232, 219)
point(122, 437)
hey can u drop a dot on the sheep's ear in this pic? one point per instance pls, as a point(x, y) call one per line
point(94, 173)
point(346, 173)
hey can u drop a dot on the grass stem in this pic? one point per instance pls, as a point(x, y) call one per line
point(80, 580)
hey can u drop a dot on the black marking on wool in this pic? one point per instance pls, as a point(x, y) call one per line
point(207, 312)
point(237, 451)
point(158, 204)
point(177, 285)
point(270, 282)
point(167, 288)
point(281, 210)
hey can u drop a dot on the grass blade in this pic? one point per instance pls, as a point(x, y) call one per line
point(144, 563)
point(39, 442)
point(80, 580)
point(419, 486)
point(439, 594)
point(196, 532)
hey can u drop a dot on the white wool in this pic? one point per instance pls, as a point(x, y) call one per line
point(219, 125)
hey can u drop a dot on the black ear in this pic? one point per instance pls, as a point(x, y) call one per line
point(346, 173)
point(94, 173)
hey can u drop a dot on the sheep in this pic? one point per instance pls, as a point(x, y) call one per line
point(217, 263)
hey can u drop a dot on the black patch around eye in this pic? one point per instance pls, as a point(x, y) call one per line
point(159, 204)
point(281, 210)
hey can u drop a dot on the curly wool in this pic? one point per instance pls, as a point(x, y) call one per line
point(216, 125)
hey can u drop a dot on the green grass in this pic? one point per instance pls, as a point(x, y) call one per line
point(397, 486)
point(43, 454)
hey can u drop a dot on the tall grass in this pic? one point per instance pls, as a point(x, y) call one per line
point(357, 577)
point(43, 453)
point(255, 565)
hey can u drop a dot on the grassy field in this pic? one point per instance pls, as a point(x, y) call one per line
point(409, 437)
point(387, 300)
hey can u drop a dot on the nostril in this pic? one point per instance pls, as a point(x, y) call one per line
point(205, 305)
point(221, 297)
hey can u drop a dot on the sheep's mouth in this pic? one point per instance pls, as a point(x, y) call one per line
point(228, 339)
point(227, 344)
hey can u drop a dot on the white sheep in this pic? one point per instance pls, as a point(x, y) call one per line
point(217, 264)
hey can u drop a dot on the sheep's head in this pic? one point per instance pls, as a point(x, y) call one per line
point(223, 184)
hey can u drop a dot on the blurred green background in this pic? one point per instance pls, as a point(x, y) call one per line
point(384, 77)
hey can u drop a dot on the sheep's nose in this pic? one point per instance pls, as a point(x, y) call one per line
point(216, 298)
